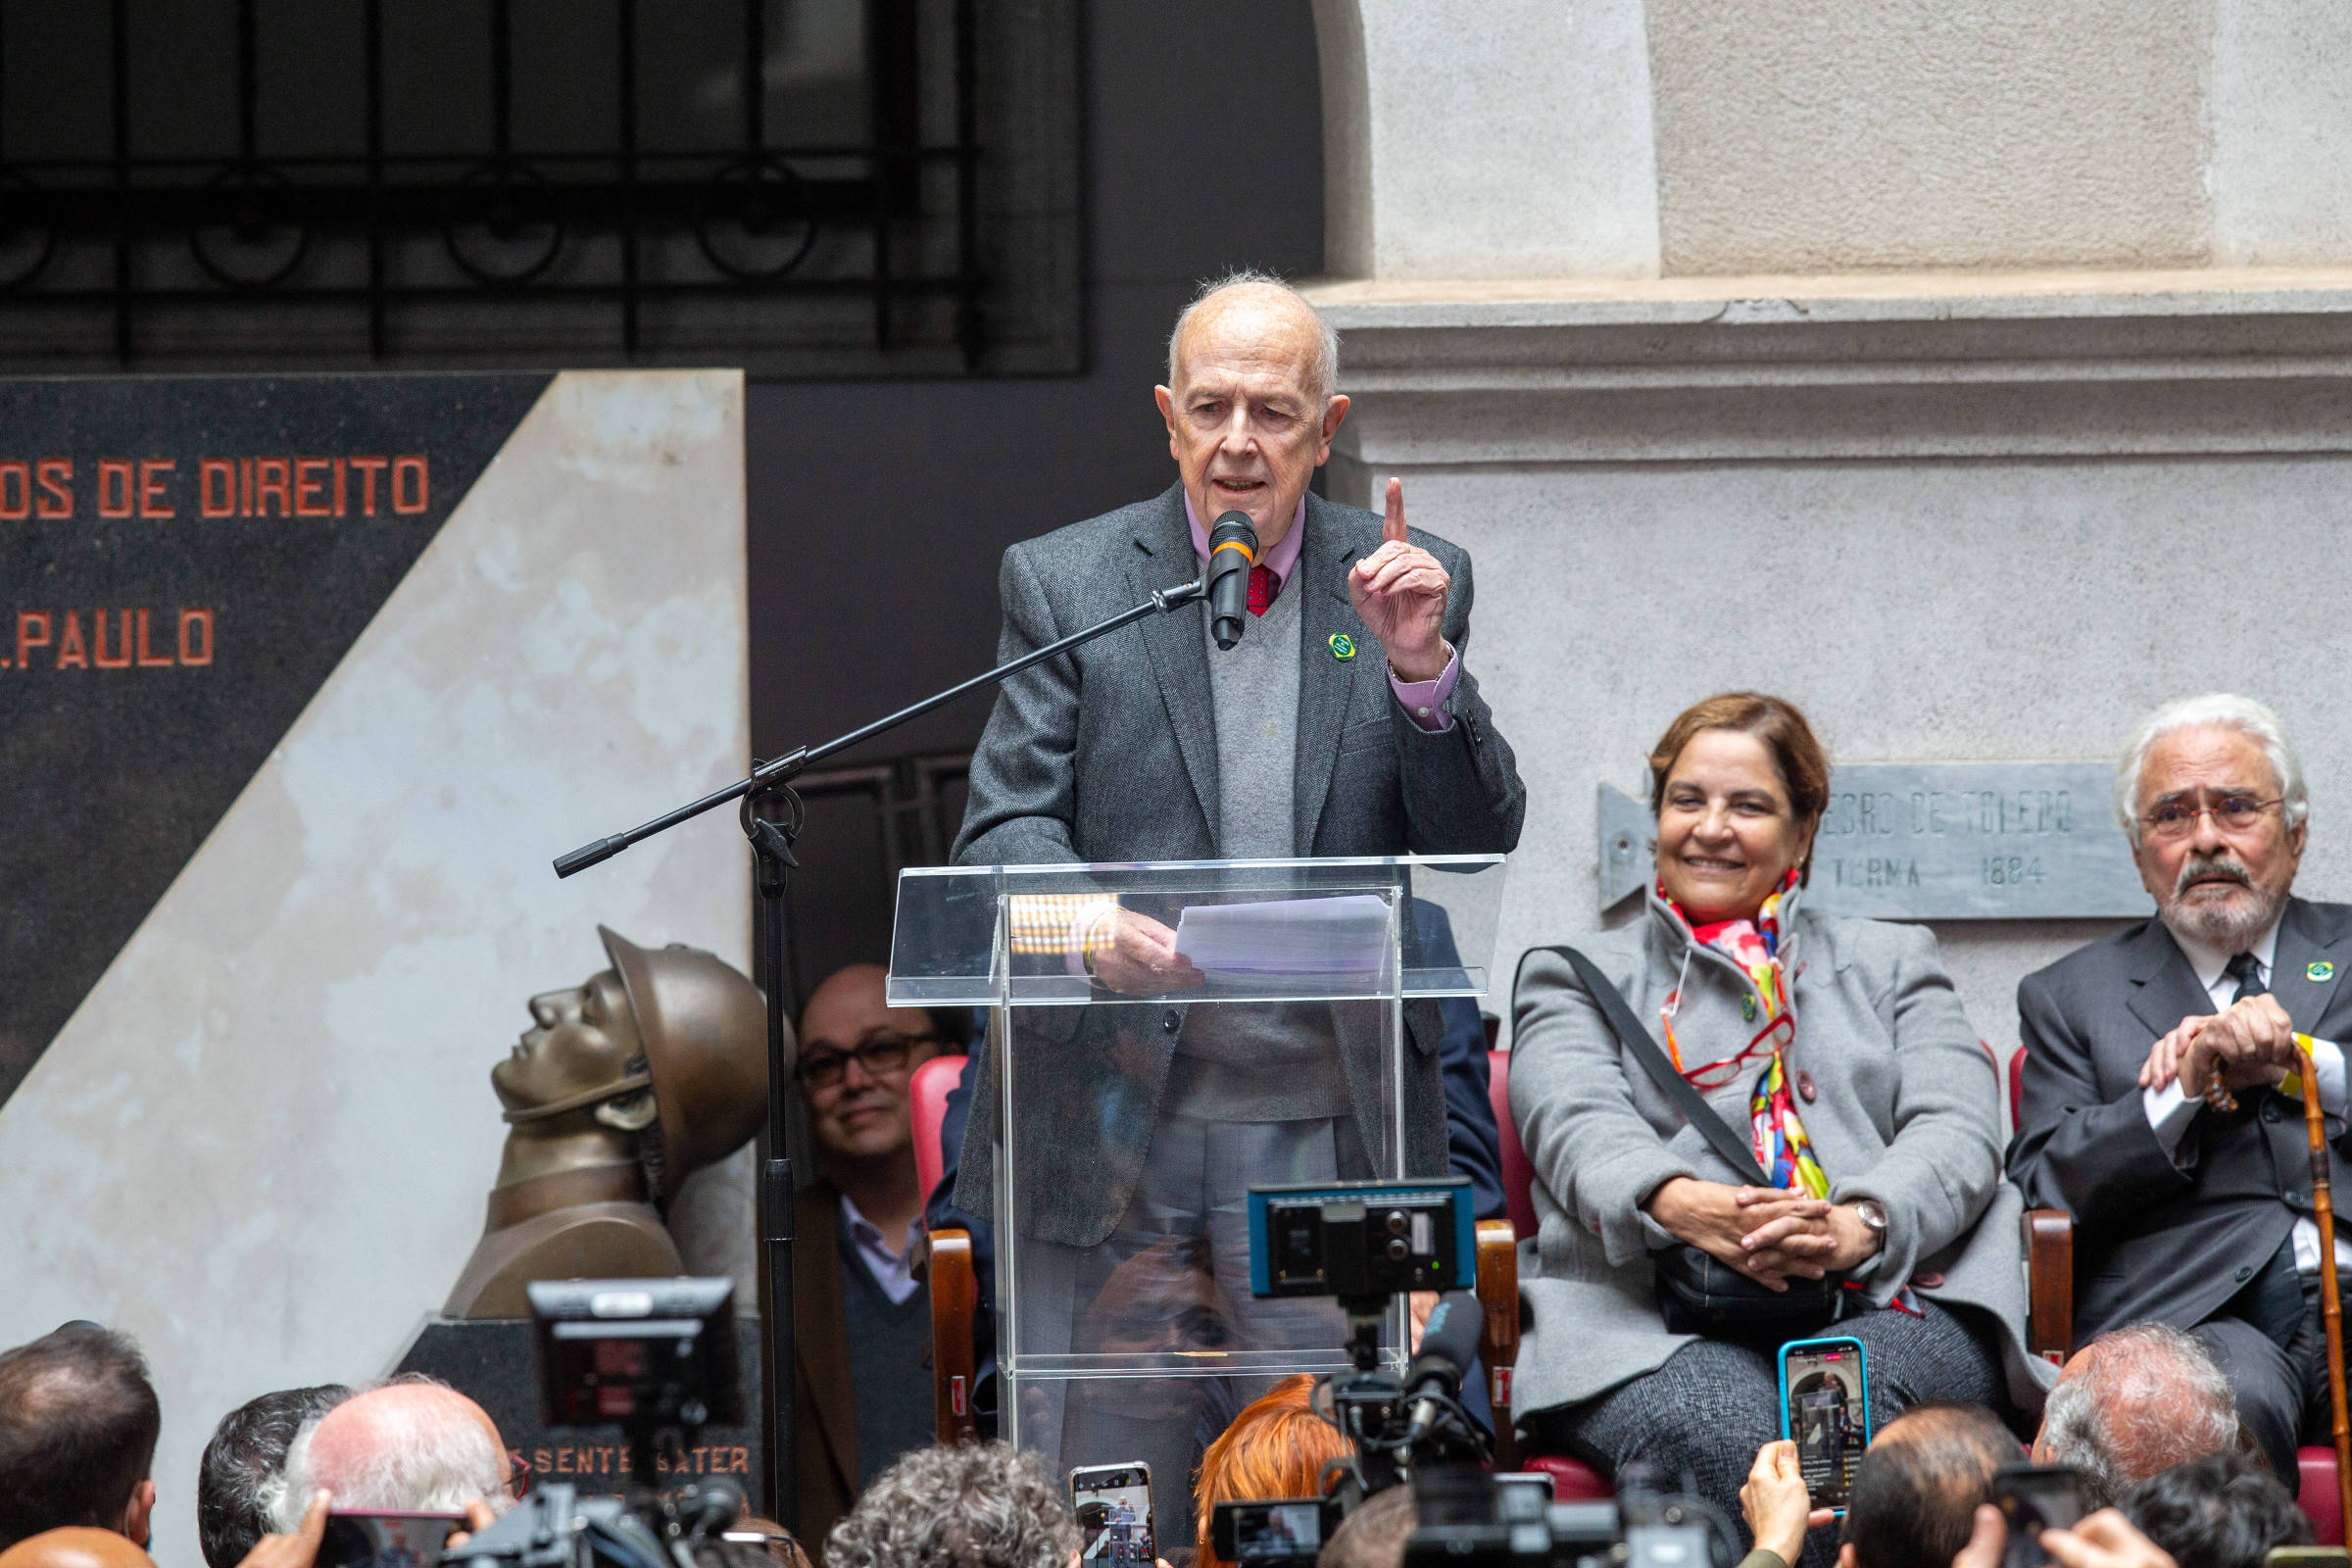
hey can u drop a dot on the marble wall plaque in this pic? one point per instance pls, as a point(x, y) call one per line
point(1938, 840)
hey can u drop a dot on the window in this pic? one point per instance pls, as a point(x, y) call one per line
point(810, 187)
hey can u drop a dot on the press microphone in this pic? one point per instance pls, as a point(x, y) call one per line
point(1448, 1345)
point(1232, 552)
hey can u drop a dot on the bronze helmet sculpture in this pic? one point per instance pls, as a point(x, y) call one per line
point(626, 1085)
point(705, 1029)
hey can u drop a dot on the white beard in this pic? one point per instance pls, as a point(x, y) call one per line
point(2227, 924)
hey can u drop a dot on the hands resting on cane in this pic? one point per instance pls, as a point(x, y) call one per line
point(2249, 1045)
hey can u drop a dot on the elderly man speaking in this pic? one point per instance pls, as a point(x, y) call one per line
point(1343, 724)
point(2188, 1214)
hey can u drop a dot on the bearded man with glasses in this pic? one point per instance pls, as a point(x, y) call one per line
point(2163, 1072)
point(862, 1324)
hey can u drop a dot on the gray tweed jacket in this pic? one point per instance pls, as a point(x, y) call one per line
point(1110, 753)
point(1907, 1112)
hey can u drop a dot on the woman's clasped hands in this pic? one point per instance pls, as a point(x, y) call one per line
point(1770, 1235)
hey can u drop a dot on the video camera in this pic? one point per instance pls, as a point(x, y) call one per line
point(1364, 1244)
point(1466, 1518)
point(657, 1358)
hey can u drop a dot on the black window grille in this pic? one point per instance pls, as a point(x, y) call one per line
point(781, 183)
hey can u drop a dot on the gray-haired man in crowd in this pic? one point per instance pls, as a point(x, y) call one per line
point(2163, 1080)
point(2133, 1403)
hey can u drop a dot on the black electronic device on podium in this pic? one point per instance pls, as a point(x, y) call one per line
point(771, 816)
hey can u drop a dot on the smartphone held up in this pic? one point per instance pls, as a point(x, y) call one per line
point(1114, 1506)
point(1825, 1410)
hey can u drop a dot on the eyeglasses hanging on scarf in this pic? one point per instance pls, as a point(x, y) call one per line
point(1776, 1129)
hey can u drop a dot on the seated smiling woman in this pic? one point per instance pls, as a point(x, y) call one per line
point(1837, 1053)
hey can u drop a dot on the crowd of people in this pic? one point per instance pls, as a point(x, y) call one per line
point(78, 1421)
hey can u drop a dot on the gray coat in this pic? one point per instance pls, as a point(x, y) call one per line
point(1908, 1112)
point(1110, 754)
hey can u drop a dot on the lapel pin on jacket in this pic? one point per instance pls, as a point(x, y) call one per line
point(2320, 973)
point(1342, 647)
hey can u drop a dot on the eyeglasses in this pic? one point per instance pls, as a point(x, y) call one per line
point(2232, 814)
point(518, 1475)
point(878, 1052)
point(1775, 1035)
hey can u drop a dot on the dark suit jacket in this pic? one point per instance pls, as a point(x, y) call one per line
point(1110, 753)
point(2152, 1240)
point(826, 1415)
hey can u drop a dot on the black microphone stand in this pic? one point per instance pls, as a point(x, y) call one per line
point(769, 784)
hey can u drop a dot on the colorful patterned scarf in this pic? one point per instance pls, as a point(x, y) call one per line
point(1782, 1147)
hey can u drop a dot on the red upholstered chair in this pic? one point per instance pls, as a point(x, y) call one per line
point(954, 1286)
point(1572, 1480)
point(933, 1082)
point(1517, 1174)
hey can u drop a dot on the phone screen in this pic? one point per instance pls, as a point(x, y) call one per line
point(386, 1540)
point(1827, 1415)
point(1113, 1504)
point(2033, 1498)
point(1278, 1532)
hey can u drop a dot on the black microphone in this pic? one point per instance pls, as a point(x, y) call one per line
point(1448, 1345)
point(1232, 552)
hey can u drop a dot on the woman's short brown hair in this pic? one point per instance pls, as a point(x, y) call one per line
point(1804, 768)
point(1276, 1448)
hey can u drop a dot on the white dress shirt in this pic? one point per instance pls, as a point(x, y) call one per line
point(889, 1269)
point(2172, 1112)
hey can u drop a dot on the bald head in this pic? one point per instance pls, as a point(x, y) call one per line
point(1263, 310)
point(2133, 1403)
point(858, 1057)
point(412, 1444)
point(1250, 403)
point(76, 1547)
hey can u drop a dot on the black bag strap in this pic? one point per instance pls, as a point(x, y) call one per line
point(1637, 1040)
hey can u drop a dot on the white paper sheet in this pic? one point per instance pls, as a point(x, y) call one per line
point(1293, 939)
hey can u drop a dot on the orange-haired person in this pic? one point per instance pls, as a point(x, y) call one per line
point(1276, 1448)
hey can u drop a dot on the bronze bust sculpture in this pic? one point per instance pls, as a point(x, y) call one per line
point(623, 1086)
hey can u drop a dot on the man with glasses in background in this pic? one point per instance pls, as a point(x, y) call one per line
point(2163, 1076)
point(861, 1318)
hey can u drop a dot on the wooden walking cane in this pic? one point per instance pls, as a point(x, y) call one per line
point(2331, 1309)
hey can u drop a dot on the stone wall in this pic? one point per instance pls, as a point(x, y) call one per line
point(1975, 376)
point(1627, 138)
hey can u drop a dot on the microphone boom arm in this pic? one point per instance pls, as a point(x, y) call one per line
point(780, 769)
point(771, 849)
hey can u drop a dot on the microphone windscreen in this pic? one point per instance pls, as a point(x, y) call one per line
point(1234, 528)
point(1450, 1340)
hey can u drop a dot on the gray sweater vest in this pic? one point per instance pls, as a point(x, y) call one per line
point(1270, 1062)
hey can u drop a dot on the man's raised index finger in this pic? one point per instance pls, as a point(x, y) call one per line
point(1394, 526)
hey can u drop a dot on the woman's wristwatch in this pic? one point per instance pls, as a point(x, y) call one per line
point(1873, 1216)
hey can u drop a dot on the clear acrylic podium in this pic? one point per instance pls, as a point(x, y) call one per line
point(1119, 1133)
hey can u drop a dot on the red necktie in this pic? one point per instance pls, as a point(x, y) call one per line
point(1264, 589)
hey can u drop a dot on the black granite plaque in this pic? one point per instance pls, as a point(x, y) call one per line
point(489, 1359)
point(183, 561)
